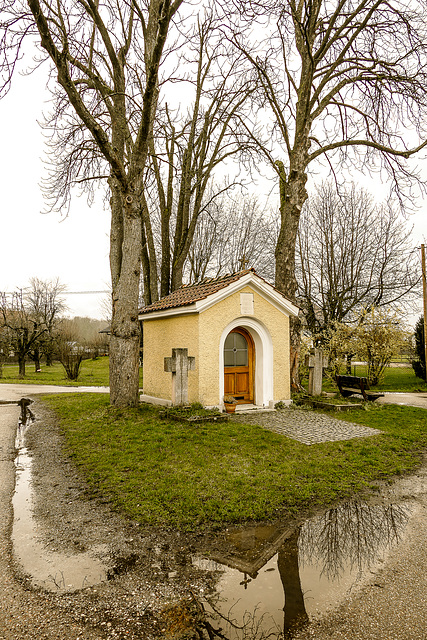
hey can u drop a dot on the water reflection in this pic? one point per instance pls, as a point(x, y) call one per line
point(274, 580)
point(58, 572)
point(352, 534)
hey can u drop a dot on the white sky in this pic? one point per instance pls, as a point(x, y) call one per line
point(74, 249)
point(47, 246)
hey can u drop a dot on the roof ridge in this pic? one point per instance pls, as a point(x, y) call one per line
point(211, 279)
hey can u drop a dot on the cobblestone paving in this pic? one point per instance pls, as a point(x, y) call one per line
point(305, 426)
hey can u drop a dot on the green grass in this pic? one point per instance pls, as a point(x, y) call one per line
point(397, 379)
point(92, 373)
point(174, 474)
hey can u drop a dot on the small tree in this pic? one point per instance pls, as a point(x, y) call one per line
point(24, 330)
point(379, 336)
point(339, 344)
point(44, 301)
point(70, 354)
point(4, 347)
point(419, 364)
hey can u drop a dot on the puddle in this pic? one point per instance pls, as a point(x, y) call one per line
point(50, 570)
point(274, 580)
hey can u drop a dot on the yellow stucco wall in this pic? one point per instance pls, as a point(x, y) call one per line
point(201, 335)
point(213, 322)
point(160, 337)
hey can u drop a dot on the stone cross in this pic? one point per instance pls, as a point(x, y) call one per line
point(179, 365)
point(316, 363)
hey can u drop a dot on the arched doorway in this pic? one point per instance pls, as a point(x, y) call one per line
point(239, 359)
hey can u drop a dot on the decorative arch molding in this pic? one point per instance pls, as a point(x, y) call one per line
point(263, 359)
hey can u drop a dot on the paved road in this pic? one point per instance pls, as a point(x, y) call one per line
point(409, 399)
point(18, 391)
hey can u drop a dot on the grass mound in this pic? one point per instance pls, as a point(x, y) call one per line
point(169, 473)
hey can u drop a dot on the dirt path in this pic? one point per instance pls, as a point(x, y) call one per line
point(24, 613)
point(148, 570)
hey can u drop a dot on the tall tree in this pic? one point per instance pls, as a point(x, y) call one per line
point(344, 82)
point(191, 140)
point(352, 255)
point(104, 64)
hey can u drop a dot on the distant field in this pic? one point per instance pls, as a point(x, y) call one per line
point(95, 373)
point(92, 373)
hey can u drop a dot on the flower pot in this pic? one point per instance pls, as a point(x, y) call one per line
point(230, 408)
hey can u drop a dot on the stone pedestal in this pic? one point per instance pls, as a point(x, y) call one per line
point(317, 361)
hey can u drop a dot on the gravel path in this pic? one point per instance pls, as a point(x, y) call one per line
point(25, 613)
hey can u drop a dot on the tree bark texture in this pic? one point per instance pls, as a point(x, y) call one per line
point(293, 194)
point(125, 277)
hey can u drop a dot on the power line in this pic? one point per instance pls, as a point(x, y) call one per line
point(69, 293)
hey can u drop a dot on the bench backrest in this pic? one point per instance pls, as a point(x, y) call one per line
point(351, 381)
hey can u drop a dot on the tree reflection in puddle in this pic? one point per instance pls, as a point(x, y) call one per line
point(274, 580)
point(57, 572)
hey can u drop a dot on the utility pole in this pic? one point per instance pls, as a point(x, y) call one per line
point(423, 265)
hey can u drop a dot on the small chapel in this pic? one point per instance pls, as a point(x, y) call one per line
point(226, 336)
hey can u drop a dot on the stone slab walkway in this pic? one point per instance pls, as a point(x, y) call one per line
point(307, 427)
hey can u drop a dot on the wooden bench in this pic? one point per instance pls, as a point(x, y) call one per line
point(350, 385)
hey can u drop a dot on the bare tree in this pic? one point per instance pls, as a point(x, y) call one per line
point(352, 256)
point(104, 64)
point(233, 234)
point(45, 304)
point(344, 82)
point(70, 353)
point(24, 331)
point(185, 151)
point(5, 347)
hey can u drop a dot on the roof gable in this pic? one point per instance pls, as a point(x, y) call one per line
point(197, 297)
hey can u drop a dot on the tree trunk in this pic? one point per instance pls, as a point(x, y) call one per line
point(21, 361)
point(292, 197)
point(125, 277)
point(294, 609)
point(177, 271)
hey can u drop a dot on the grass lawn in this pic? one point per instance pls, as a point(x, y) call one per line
point(398, 379)
point(176, 474)
point(92, 373)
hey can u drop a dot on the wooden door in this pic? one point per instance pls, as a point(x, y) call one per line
point(239, 366)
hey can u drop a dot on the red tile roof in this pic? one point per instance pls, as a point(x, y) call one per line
point(189, 294)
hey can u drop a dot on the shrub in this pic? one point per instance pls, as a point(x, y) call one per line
point(419, 364)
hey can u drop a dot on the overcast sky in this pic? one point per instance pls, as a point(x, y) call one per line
point(75, 248)
point(48, 246)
